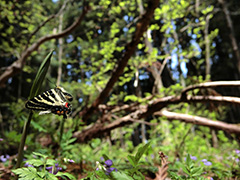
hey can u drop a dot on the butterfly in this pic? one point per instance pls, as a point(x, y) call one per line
point(52, 101)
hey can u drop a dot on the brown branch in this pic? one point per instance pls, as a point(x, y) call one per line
point(154, 106)
point(216, 99)
point(17, 65)
point(161, 103)
point(230, 128)
point(153, 109)
point(210, 85)
point(156, 109)
point(99, 128)
point(141, 27)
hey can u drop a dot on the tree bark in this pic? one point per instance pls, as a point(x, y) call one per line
point(60, 51)
point(207, 47)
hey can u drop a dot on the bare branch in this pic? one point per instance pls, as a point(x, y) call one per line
point(99, 128)
point(230, 128)
point(161, 103)
point(216, 99)
point(155, 107)
point(17, 65)
point(210, 85)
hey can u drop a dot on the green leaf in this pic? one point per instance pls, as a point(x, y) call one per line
point(40, 155)
point(122, 176)
point(132, 98)
point(141, 151)
point(29, 173)
point(105, 157)
point(50, 176)
point(188, 161)
point(197, 171)
point(174, 175)
point(42, 71)
point(51, 162)
point(38, 127)
point(185, 169)
point(62, 174)
point(35, 162)
point(131, 159)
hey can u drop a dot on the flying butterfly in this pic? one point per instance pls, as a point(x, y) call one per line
point(52, 101)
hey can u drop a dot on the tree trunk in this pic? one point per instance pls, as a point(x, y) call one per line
point(60, 51)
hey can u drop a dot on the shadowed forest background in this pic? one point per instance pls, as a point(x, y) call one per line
point(154, 83)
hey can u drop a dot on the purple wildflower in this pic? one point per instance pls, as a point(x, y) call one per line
point(109, 170)
point(106, 167)
point(69, 160)
point(152, 156)
point(28, 165)
point(1, 139)
point(206, 162)
point(237, 151)
point(237, 160)
point(193, 157)
point(113, 169)
point(108, 162)
point(4, 158)
point(54, 169)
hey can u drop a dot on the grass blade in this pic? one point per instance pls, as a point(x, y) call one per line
point(37, 83)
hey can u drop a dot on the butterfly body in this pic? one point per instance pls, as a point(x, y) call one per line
point(52, 101)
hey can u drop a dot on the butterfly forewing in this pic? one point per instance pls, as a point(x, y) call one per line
point(63, 94)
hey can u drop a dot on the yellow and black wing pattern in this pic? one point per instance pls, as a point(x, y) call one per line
point(52, 101)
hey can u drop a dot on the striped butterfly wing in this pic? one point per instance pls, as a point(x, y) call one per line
point(63, 94)
point(46, 100)
point(52, 101)
point(62, 110)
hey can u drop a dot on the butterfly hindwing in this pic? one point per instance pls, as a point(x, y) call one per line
point(62, 110)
